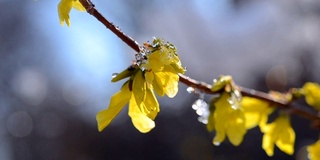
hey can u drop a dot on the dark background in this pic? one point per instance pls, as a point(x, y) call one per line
point(53, 79)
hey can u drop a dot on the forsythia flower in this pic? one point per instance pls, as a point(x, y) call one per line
point(278, 133)
point(227, 120)
point(314, 151)
point(64, 9)
point(143, 105)
point(255, 111)
point(155, 70)
point(312, 94)
point(162, 68)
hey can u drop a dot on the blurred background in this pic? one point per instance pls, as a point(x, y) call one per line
point(53, 79)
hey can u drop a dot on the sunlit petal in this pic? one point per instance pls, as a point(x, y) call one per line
point(141, 121)
point(280, 133)
point(256, 111)
point(151, 103)
point(117, 102)
point(139, 87)
point(64, 8)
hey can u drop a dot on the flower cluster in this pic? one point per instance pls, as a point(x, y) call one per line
point(231, 115)
point(64, 9)
point(226, 120)
point(226, 115)
point(156, 69)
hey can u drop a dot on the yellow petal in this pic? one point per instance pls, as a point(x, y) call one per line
point(236, 127)
point(220, 136)
point(221, 112)
point(139, 87)
point(312, 94)
point(158, 88)
point(268, 144)
point(168, 81)
point(151, 103)
point(124, 74)
point(286, 139)
point(178, 68)
point(172, 86)
point(264, 118)
point(210, 124)
point(280, 133)
point(255, 111)
point(228, 120)
point(313, 151)
point(252, 119)
point(64, 8)
point(158, 83)
point(154, 62)
point(141, 121)
point(77, 5)
point(149, 76)
point(117, 102)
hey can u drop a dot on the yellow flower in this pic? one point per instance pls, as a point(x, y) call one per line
point(314, 151)
point(228, 120)
point(162, 67)
point(64, 9)
point(278, 133)
point(312, 94)
point(143, 105)
point(255, 111)
point(156, 69)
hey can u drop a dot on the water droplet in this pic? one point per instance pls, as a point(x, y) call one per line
point(195, 106)
point(155, 45)
point(214, 81)
point(216, 143)
point(114, 75)
point(234, 107)
point(235, 100)
point(199, 112)
point(237, 95)
point(230, 101)
point(138, 56)
point(185, 68)
point(190, 89)
point(203, 120)
point(202, 109)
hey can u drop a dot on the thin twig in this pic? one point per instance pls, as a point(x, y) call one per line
point(204, 87)
point(115, 29)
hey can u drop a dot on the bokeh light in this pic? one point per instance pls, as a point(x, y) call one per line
point(19, 124)
point(30, 85)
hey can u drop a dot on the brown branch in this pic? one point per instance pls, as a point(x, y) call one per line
point(204, 87)
point(115, 29)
